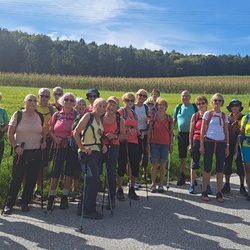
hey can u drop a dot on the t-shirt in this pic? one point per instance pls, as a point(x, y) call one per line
point(3, 119)
point(247, 130)
point(45, 111)
point(112, 129)
point(183, 117)
point(29, 130)
point(215, 129)
point(197, 128)
point(142, 118)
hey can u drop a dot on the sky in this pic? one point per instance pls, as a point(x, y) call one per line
point(186, 26)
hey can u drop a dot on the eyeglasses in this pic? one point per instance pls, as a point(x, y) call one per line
point(30, 100)
point(216, 100)
point(141, 95)
point(92, 96)
point(235, 105)
point(150, 104)
point(69, 100)
point(128, 100)
point(45, 96)
point(59, 94)
point(201, 103)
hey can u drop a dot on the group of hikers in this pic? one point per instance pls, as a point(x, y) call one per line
point(78, 138)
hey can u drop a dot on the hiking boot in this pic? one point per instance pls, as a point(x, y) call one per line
point(50, 204)
point(204, 196)
point(243, 190)
point(226, 189)
point(191, 189)
point(120, 195)
point(64, 202)
point(153, 189)
point(219, 197)
point(8, 210)
point(25, 208)
point(93, 215)
point(132, 195)
point(160, 189)
point(182, 179)
point(209, 190)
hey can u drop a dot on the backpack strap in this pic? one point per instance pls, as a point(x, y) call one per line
point(118, 121)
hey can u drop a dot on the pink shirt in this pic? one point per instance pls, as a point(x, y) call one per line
point(110, 128)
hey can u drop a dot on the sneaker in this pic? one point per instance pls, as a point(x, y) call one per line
point(19, 198)
point(72, 196)
point(191, 189)
point(153, 189)
point(226, 189)
point(219, 197)
point(160, 189)
point(64, 202)
point(50, 204)
point(132, 195)
point(137, 186)
point(209, 190)
point(243, 190)
point(182, 179)
point(25, 208)
point(37, 194)
point(93, 215)
point(8, 210)
point(204, 196)
point(120, 195)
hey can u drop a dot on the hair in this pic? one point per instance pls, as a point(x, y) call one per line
point(150, 99)
point(68, 94)
point(41, 90)
point(98, 101)
point(217, 96)
point(27, 97)
point(201, 98)
point(156, 91)
point(57, 89)
point(128, 95)
point(80, 99)
point(161, 100)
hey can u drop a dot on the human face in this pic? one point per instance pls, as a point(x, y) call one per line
point(111, 107)
point(57, 95)
point(185, 97)
point(161, 107)
point(43, 98)
point(92, 97)
point(129, 102)
point(101, 108)
point(155, 95)
point(202, 105)
point(151, 105)
point(69, 102)
point(217, 102)
point(142, 97)
point(81, 107)
point(235, 107)
point(31, 103)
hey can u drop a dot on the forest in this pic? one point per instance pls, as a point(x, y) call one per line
point(21, 52)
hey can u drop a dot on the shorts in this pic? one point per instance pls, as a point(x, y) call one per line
point(159, 152)
point(196, 155)
point(183, 142)
point(246, 153)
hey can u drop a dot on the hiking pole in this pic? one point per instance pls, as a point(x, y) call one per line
point(104, 190)
point(13, 175)
point(242, 157)
point(169, 155)
point(129, 181)
point(145, 178)
point(42, 179)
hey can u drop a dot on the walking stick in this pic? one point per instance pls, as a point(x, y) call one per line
point(169, 155)
point(13, 175)
point(42, 179)
point(242, 157)
point(129, 181)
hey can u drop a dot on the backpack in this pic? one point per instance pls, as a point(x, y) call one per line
point(51, 111)
point(145, 106)
point(125, 113)
point(243, 136)
point(178, 108)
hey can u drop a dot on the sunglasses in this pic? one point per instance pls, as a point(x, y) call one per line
point(150, 104)
point(92, 96)
point(141, 95)
point(218, 100)
point(69, 100)
point(235, 105)
point(201, 103)
point(128, 100)
point(59, 94)
point(30, 100)
point(45, 96)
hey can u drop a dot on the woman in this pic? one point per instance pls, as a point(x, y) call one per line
point(57, 93)
point(90, 155)
point(4, 120)
point(235, 108)
point(150, 102)
point(245, 135)
point(114, 132)
point(141, 110)
point(27, 136)
point(60, 132)
point(91, 95)
point(160, 142)
point(214, 138)
point(129, 149)
point(194, 141)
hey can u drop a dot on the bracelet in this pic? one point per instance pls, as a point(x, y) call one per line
point(228, 144)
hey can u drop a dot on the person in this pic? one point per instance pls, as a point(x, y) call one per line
point(245, 136)
point(27, 137)
point(47, 111)
point(214, 139)
point(57, 93)
point(155, 94)
point(160, 142)
point(141, 111)
point(129, 149)
point(182, 116)
point(4, 120)
point(90, 155)
point(235, 108)
point(114, 132)
point(91, 95)
point(60, 132)
point(194, 141)
point(150, 102)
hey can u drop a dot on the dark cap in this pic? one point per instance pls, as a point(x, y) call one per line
point(93, 91)
point(234, 101)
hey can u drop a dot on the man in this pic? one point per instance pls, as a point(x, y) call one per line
point(182, 115)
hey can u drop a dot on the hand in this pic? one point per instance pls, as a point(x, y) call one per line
point(190, 149)
point(86, 150)
point(19, 150)
point(43, 145)
point(104, 149)
point(57, 140)
point(202, 150)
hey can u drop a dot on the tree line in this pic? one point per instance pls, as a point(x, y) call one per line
point(21, 52)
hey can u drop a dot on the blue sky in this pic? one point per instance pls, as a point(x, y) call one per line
point(186, 26)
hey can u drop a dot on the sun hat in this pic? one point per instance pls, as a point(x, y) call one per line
point(114, 99)
point(234, 101)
